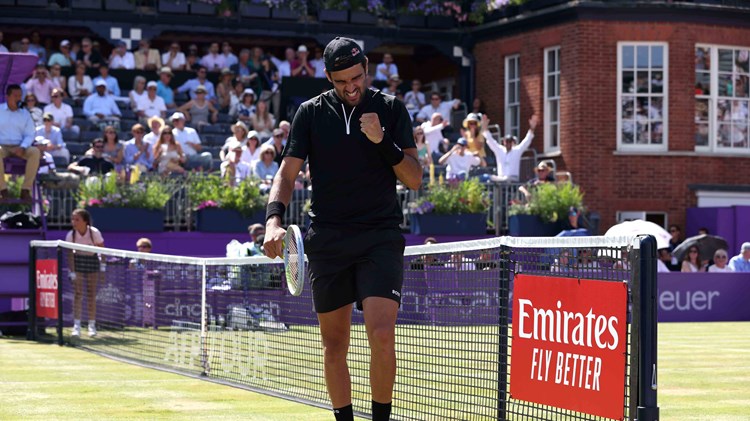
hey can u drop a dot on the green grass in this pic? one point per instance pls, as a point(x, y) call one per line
point(704, 374)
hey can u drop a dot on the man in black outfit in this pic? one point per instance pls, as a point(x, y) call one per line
point(93, 164)
point(358, 143)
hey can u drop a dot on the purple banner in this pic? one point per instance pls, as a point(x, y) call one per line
point(704, 297)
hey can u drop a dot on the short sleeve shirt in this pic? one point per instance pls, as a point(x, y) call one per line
point(91, 237)
point(352, 184)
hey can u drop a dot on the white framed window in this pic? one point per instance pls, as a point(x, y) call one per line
point(722, 96)
point(552, 99)
point(512, 94)
point(642, 96)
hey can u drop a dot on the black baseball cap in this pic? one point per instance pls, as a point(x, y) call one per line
point(342, 53)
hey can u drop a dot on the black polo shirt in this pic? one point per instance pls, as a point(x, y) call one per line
point(352, 185)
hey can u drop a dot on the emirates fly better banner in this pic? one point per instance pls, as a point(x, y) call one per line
point(46, 288)
point(569, 341)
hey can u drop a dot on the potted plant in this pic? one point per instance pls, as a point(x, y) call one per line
point(545, 211)
point(366, 12)
point(219, 208)
point(254, 9)
point(454, 208)
point(117, 206)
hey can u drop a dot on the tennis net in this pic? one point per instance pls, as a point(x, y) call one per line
point(233, 321)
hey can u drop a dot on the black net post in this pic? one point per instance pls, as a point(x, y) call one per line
point(648, 409)
point(31, 331)
point(60, 339)
point(502, 360)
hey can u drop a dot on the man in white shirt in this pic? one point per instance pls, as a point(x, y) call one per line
point(459, 161)
point(437, 105)
point(234, 169)
point(213, 61)
point(433, 136)
point(318, 64)
point(285, 67)
point(190, 142)
point(150, 105)
point(101, 108)
point(121, 58)
point(508, 155)
point(414, 99)
point(174, 58)
point(385, 69)
point(63, 115)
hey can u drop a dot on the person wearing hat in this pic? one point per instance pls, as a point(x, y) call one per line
point(508, 155)
point(543, 175)
point(147, 58)
point(459, 161)
point(200, 80)
point(173, 58)
point(63, 57)
point(150, 105)
point(41, 85)
point(190, 143)
point(94, 163)
point(741, 262)
point(301, 67)
point(121, 58)
point(234, 169)
point(358, 143)
point(163, 90)
point(393, 82)
point(245, 108)
point(55, 145)
point(46, 161)
point(62, 114)
point(266, 167)
point(101, 108)
point(239, 135)
point(113, 86)
point(154, 124)
point(16, 138)
point(473, 135)
point(199, 111)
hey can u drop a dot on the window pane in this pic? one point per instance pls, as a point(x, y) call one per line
point(642, 56)
point(550, 86)
point(628, 108)
point(655, 110)
point(554, 117)
point(628, 82)
point(642, 82)
point(656, 133)
point(702, 59)
point(739, 112)
point(557, 85)
point(551, 61)
point(628, 57)
point(553, 135)
point(701, 110)
point(701, 134)
point(657, 82)
point(741, 61)
point(725, 85)
point(723, 111)
point(702, 83)
point(725, 60)
point(512, 92)
point(657, 57)
point(642, 136)
point(628, 131)
point(723, 135)
point(740, 86)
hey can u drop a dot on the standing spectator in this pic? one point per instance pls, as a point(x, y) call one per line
point(301, 67)
point(676, 232)
point(48, 131)
point(16, 137)
point(35, 47)
point(84, 268)
point(691, 262)
point(147, 58)
point(58, 79)
point(190, 143)
point(164, 90)
point(94, 163)
point(262, 121)
point(229, 58)
point(393, 82)
point(245, 109)
point(269, 82)
point(89, 56)
point(284, 67)
point(434, 136)
point(168, 154)
point(508, 155)
point(101, 108)
point(414, 99)
point(741, 262)
point(150, 105)
point(137, 151)
point(213, 61)
point(80, 84)
point(423, 152)
point(110, 82)
point(63, 115)
point(63, 57)
point(138, 91)
point(255, 58)
point(200, 80)
point(459, 161)
point(437, 105)
point(473, 135)
point(384, 70)
point(3, 49)
point(197, 110)
point(41, 85)
point(234, 169)
point(174, 58)
point(155, 124)
point(266, 167)
point(121, 58)
point(318, 64)
point(720, 262)
point(224, 89)
point(32, 106)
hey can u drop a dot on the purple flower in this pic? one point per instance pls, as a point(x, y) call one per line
point(207, 204)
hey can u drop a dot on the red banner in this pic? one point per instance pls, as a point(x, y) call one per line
point(569, 341)
point(46, 288)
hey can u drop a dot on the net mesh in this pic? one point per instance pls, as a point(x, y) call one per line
point(234, 321)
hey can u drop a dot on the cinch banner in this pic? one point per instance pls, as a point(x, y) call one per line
point(568, 347)
point(46, 288)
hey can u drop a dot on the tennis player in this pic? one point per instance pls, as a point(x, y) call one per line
point(357, 142)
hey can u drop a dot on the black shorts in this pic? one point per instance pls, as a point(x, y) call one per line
point(351, 265)
point(86, 263)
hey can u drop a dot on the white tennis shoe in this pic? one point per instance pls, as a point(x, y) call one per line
point(92, 330)
point(76, 330)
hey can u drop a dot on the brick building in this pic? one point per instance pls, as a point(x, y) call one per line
point(645, 103)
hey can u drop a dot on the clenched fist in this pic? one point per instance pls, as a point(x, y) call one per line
point(370, 126)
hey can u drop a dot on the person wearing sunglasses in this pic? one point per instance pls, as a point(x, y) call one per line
point(692, 261)
point(741, 262)
point(94, 163)
point(721, 262)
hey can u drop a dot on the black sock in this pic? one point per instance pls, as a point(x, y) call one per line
point(381, 411)
point(345, 413)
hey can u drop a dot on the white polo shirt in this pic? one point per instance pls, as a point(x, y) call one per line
point(188, 134)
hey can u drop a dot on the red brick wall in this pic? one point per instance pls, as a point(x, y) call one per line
point(588, 56)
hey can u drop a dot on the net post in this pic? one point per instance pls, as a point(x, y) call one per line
point(60, 340)
point(31, 330)
point(204, 326)
point(648, 410)
point(503, 303)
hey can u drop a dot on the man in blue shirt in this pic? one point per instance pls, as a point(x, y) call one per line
point(191, 85)
point(110, 82)
point(16, 137)
point(101, 108)
point(164, 90)
point(741, 262)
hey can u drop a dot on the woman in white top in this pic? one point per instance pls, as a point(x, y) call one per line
point(57, 78)
point(262, 121)
point(721, 258)
point(691, 262)
point(83, 267)
point(80, 85)
point(139, 92)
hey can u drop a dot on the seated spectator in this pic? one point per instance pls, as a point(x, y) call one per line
point(234, 169)
point(508, 155)
point(229, 58)
point(193, 84)
point(285, 66)
point(94, 163)
point(164, 90)
point(155, 124)
point(285, 127)
point(16, 138)
point(224, 89)
point(80, 85)
point(121, 58)
point(437, 105)
point(256, 231)
point(89, 57)
point(150, 105)
point(62, 114)
point(414, 99)
point(143, 245)
point(137, 151)
point(113, 87)
point(174, 58)
point(100, 108)
point(301, 67)
point(393, 82)
point(245, 73)
point(474, 135)
point(57, 78)
point(277, 143)
point(190, 144)
point(721, 259)
point(245, 109)
point(543, 175)
point(168, 154)
point(46, 161)
point(213, 61)
point(32, 106)
point(434, 136)
point(56, 145)
point(114, 150)
point(262, 121)
point(741, 262)
point(147, 58)
point(192, 62)
point(251, 148)
point(386, 69)
point(62, 57)
point(459, 161)
point(197, 110)
point(235, 94)
point(40, 85)
point(266, 167)
point(138, 91)
point(585, 260)
point(239, 135)
point(318, 64)
point(691, 262)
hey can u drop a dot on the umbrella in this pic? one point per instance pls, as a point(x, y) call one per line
point(707, 245)
point(638, 227)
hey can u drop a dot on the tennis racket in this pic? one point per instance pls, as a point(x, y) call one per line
point(294, 260)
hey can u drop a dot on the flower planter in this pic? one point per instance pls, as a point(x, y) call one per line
point(127, 219)
point(225, 220)
point(441, 22)
point(173, 6)
point(532, 226)
point(284, 14)
point(337, 16)
point(200, 8)
point(120, 5)
point(86, 4)
point(432, 224)
point(362, 18)
point(410, 21)
point(254, 11)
